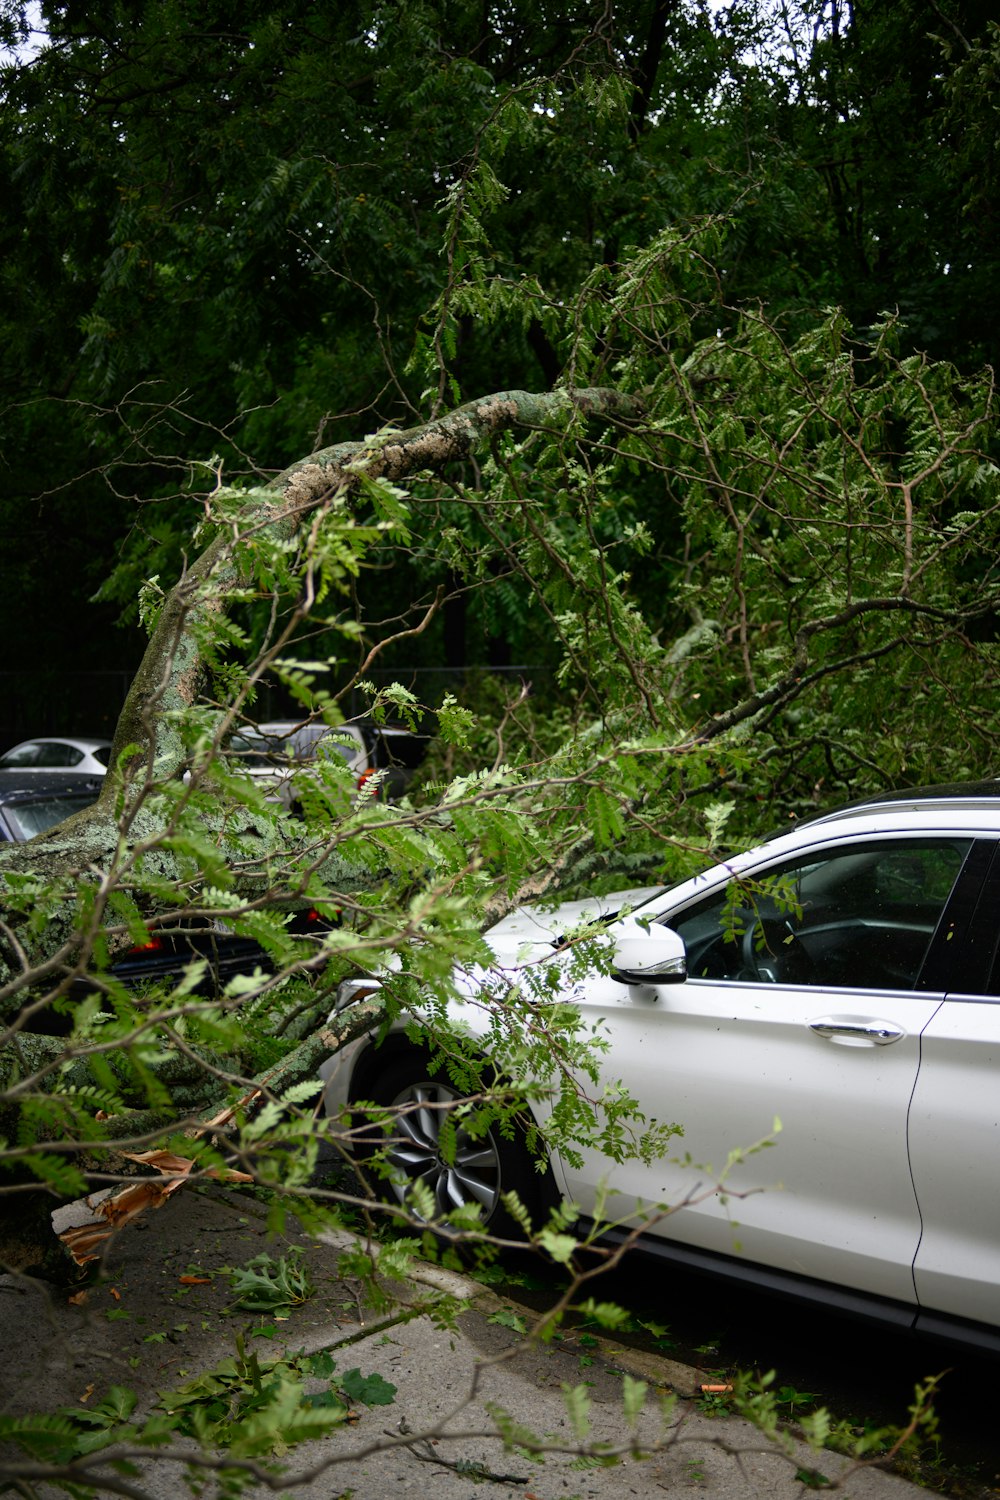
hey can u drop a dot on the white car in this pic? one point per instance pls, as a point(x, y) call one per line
point(58, 754)
point(843, 977)
point(276, 750)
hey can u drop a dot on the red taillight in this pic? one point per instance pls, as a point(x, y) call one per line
point(365, 776)
point(154, 945)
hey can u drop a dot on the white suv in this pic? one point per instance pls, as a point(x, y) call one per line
point(843, 977)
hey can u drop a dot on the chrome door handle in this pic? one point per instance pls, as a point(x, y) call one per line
point(878, 1033)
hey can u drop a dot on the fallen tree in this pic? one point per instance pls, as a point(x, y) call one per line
point(167, 821)
point(153, 740)
point(820, 511)
point(745, 561)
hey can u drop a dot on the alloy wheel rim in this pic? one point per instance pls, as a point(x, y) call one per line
point(467, 1174)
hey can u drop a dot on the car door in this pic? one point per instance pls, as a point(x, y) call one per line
point(800, 1004)
point(954, 1127)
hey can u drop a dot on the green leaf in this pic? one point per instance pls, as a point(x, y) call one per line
point(506, 1317)
point(633, 1398)
point(561, 1247)
point(372, 1390)
point(264, 1284)
point(577, 1403)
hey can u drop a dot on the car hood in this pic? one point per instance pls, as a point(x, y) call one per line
point(525, 935)
point(545, 926)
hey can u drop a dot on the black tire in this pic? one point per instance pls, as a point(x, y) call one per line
point(483, 1168)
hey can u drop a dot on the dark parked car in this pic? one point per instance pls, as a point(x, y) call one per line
point(32, 802)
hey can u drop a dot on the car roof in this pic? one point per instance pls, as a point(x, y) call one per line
point(83, 741)
point(952, 795)
point(317, 728)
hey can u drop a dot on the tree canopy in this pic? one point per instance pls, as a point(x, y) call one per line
point(233, 236)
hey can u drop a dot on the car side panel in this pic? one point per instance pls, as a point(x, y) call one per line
point(954, 1136)
point(833, 1199)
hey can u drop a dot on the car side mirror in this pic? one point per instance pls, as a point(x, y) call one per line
point(648, 955)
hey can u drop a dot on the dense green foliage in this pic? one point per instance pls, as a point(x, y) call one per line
point(232, 234)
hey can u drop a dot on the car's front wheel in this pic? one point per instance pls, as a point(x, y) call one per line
point(433, 1141)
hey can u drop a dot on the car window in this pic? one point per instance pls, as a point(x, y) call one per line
point(21, 755)
point(345, 742)
point(332, 747)
point(861, 916)
point(58, 753)
point(400, 748)
point(27, 819)
point(260, 749)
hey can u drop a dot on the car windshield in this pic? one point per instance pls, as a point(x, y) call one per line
point(42, 813)
point(400, 748)
point(43, 753)
point(252, 745)
point(329, 745)
point(21, 755)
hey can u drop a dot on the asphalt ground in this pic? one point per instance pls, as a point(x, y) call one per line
point(165, 1312)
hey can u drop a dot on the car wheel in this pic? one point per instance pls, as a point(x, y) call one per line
point(477, 1169)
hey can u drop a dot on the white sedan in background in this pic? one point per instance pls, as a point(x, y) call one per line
point(58, 754)
point(843, 977)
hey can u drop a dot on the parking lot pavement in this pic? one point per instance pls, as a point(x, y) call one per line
point(454, 1351)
